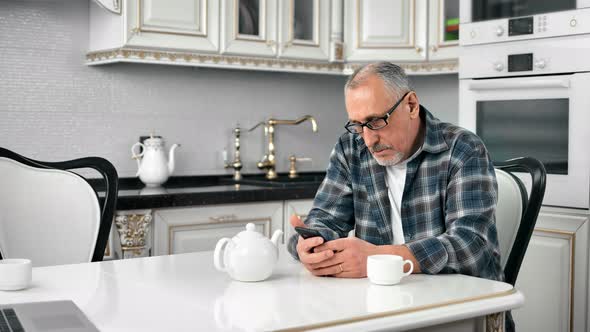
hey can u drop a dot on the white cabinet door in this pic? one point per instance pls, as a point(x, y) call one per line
point(198, 229)
point(176, 24)
point(249, 27)
point(304, 29)
point(385, 30)
point(300, 207)
point(554, 274)
point(443, 30)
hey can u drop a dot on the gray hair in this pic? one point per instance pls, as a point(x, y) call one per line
point(393, 76)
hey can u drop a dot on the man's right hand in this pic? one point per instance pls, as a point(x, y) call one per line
point(305, 247)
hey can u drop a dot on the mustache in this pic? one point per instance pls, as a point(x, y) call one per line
point(380, 147)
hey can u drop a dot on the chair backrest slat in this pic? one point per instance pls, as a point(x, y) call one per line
point(515, 240)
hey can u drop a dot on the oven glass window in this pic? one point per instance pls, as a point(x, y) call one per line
point(483, 10)
point(535, 128)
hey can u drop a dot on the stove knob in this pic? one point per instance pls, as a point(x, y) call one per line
point(540, 64)
point(499, 31)
point(498, 66)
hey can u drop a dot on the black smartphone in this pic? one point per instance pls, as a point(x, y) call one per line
point(306, 233)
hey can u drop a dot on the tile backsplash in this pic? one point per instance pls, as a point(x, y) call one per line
point(53, 107)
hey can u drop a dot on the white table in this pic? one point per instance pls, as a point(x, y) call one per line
point(185, 293)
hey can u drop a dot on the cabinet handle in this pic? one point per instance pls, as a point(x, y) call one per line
point(225, 218)
point(418, 49)
point(433, 48)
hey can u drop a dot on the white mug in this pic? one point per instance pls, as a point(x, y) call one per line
point(387, 269)
point(15, 273)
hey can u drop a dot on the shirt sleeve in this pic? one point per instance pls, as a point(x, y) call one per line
point(470, 242)
point(332, 212)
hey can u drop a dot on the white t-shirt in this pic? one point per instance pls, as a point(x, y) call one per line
point(395, 179)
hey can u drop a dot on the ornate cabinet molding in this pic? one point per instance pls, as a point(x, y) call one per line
point(133, 230)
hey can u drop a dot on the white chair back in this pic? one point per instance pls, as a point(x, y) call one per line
point(47, 215)
point(509, 212)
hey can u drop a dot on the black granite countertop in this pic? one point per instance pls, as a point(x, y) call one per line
point(208, 190)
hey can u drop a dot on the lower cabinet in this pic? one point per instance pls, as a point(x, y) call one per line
point(181, 230)
point(554, 274)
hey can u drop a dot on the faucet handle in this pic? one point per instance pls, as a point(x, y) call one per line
point(292, 162)
point(261, 123)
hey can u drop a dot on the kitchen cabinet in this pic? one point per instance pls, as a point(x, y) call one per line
point(180, 230)
point(300, 36)
point(443, 30)
point(271, 28)
point(411, 33)
point(554, 273)
point(148, 24)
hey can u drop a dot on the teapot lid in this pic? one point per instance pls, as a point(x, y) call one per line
point(250, 233)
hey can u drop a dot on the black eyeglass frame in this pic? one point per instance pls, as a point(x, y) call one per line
point(348, 126)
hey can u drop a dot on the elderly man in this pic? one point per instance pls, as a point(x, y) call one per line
point(408, 185)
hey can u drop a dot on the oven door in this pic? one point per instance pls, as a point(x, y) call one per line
point(485, 10)
point(545, 117)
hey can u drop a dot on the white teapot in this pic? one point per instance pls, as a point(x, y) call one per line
point(248, 256)
point(153, 168)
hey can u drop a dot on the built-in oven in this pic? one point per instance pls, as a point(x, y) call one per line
point(492, 21)
point(533, 99)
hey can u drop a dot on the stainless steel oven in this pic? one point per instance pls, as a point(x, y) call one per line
point(533, 98)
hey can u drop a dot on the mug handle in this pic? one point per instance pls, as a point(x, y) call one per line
point(407, 261)
point(217, 258)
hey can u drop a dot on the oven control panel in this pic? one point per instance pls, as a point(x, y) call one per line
point(535, 57)
point(565, 23)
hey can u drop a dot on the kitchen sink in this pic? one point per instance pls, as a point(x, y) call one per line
point(305, 179)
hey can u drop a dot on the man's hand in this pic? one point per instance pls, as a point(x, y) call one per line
point(305, 246)
point(349, 261)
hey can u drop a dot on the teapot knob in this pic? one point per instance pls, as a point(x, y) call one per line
point(250, 227)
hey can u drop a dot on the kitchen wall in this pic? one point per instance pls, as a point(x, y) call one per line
point(53, 107)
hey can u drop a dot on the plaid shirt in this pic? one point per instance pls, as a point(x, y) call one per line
point(448, 204)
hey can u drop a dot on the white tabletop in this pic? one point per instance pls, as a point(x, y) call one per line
point(185, 292)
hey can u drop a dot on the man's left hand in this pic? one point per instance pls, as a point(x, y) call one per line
point(349, 260)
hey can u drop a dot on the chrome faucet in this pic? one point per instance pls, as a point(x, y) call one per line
point(268, 162)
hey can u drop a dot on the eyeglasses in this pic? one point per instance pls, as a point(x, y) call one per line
point(373, 124)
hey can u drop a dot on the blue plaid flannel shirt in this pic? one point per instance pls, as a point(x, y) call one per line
point(448, 205)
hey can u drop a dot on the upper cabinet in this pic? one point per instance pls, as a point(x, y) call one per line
point(249, 27)
point(185, 24)
point(385, 30)
point(419, 35)
point(304, 29)
point(318, 36)
point(171, 24)
point(443, 30)
point(271, 28)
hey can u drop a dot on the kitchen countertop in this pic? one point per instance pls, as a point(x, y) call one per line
point(208, 190)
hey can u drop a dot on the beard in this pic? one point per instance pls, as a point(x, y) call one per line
point(390, 161)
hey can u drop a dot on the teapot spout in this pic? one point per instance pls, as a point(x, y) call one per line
point(276, 236)
point(171, 159)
